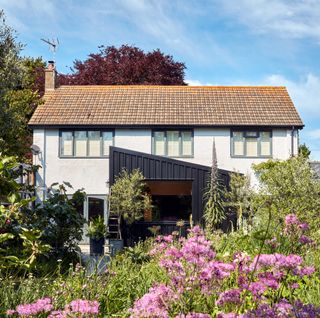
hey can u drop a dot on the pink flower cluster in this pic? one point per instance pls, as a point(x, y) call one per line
point(294, 227)
point(154, 303)
point(42, 305)
point(193, 269)
point(80, 307)
point(77, 308)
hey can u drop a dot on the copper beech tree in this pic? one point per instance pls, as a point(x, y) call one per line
point(126, 65)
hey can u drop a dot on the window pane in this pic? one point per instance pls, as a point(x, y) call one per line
point(251, 134)
point(265, 143)
point(186, 137)
point(173, 143)
point(94, 143)
point(80, 143)
point(107, 141)
point(66, 143)
point(238, 143)
point(159, 143)
point(252, 147)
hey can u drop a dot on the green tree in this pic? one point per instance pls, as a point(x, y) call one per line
point(291, 186)
point(304, 151)
point(20, 89)
point(128, 197)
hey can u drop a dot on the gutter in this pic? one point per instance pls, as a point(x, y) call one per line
point(292, 141)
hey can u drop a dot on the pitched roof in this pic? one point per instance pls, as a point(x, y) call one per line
point(167, 105)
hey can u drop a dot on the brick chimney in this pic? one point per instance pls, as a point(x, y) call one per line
point(50, 77)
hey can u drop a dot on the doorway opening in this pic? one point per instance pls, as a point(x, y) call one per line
point(171, 200)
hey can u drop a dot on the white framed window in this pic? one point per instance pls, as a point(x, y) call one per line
point(173, 143)
point(251, 143)
point(85, 143)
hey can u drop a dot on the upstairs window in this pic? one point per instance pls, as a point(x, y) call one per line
point(251, 143)
point(85, 143)
point(173, 143)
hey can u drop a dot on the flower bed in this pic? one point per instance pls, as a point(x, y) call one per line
point(188, 277)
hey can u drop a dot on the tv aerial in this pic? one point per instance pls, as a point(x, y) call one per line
point(53, 46)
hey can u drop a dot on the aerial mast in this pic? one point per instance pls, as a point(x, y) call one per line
point(53, 46)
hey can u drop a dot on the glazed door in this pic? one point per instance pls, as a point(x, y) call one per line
point(94, 206)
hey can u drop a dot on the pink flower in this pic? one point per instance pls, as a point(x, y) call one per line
point(303, 226)
point(193, 315)
point(229, 296)
point(154, 304)
point(10, 312)
point(83, 306)
point(228, 315)
point(304, 271)
point(33, 309)
point(305, 239)
point(291, 219)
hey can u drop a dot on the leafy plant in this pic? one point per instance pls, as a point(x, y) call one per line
point(19, 246)
point(128, 197)
point(59, 219)
point(239, 197)
point(97, 229)
point(292, 187)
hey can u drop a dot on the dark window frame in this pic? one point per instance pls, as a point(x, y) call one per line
point(166, 142)
point(258, 137)
point(73, 156)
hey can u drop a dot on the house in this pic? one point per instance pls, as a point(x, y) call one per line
point(87, 134)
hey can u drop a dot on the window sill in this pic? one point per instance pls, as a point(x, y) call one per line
point(251, 157)
point(72, 157)
point(174, 157)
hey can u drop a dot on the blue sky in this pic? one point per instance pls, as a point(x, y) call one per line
point(222, 42)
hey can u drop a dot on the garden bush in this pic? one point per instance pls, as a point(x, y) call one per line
point(191, 277)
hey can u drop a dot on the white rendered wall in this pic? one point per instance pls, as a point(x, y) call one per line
point(133, 139)
point(92, 174)
point(203, 139)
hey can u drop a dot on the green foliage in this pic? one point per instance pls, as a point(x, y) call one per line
point(292, 188)
point(8, 173)
point(58, 218)
point(214, 212)
point(16, 108)
point(19, 246)
point(239, 197)
point(97, 229)
point(304, 151)
point(128, 197)
point(129, 276)
point(19, 93)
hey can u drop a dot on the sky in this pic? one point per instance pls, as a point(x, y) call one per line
point(222, 42)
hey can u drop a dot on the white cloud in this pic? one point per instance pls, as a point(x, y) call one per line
point(285, 18)
point(192, 82)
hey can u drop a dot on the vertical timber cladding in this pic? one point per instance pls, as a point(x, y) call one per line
point(163, 168)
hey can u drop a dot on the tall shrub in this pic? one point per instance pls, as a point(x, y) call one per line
point(239, 197)
point(292, 187)
point(60, 221)
point(214, 212)
point(128, 196)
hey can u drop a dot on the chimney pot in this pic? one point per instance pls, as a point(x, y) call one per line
point(50, 77)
